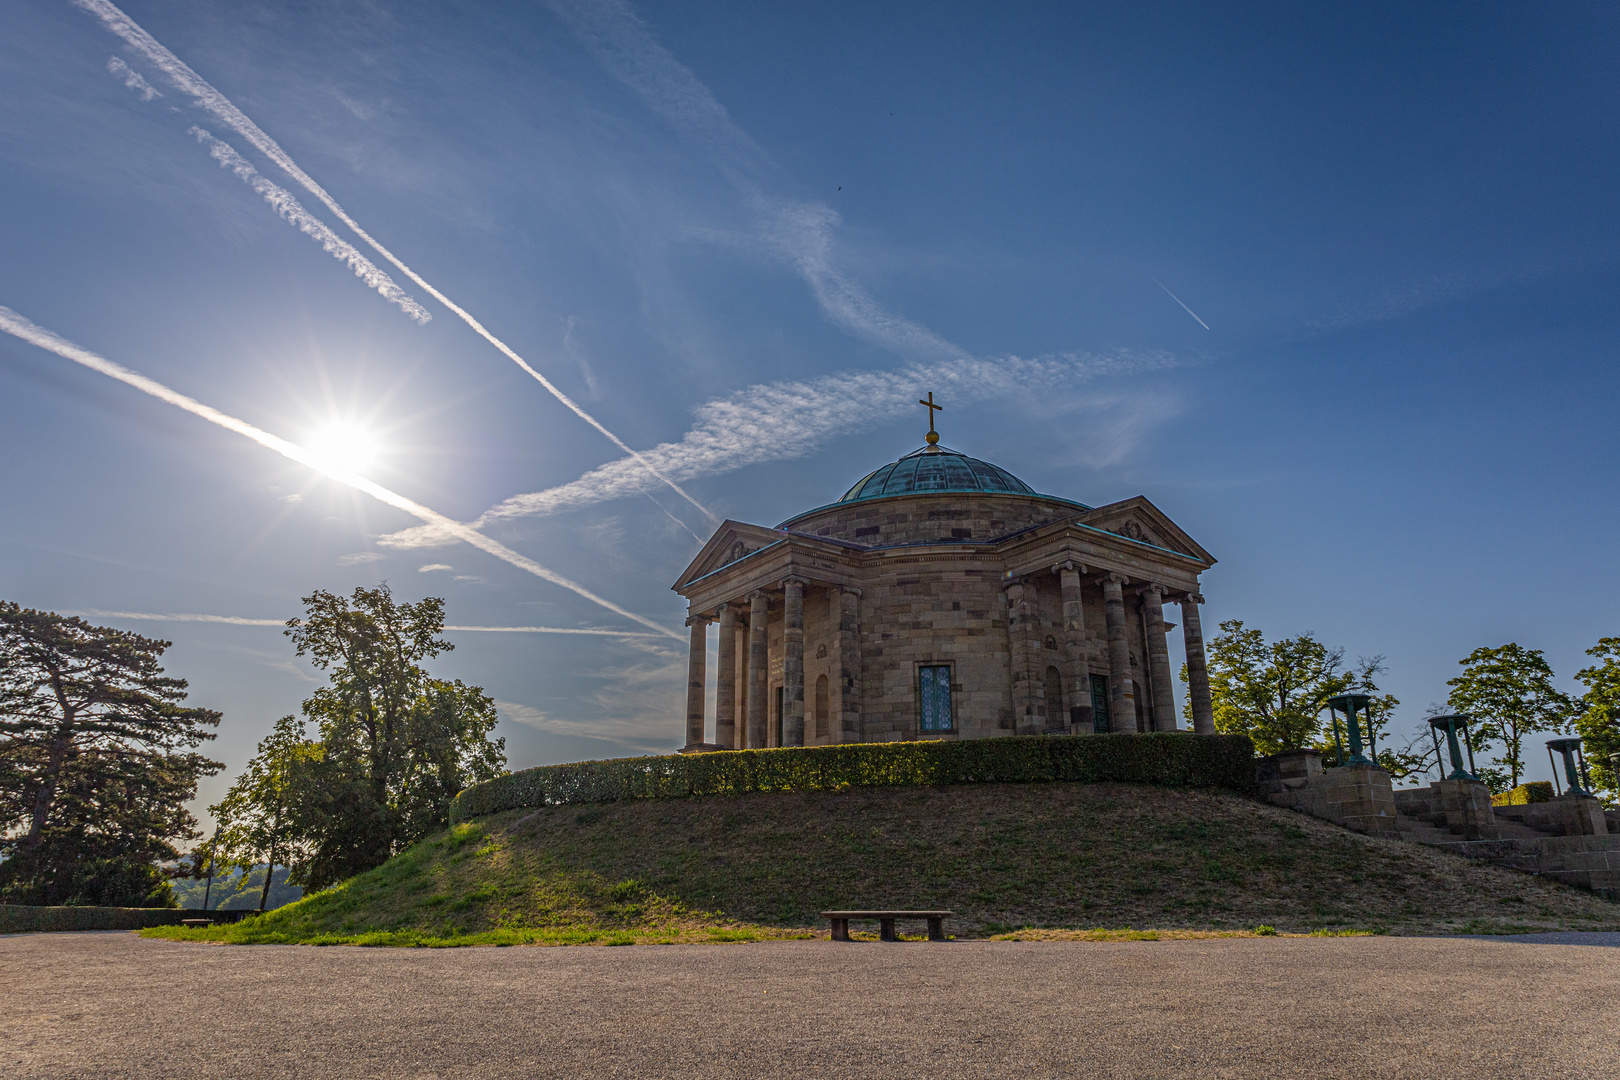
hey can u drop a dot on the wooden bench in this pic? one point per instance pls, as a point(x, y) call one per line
point(885, 920)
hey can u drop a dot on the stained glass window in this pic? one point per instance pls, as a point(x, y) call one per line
point(934, 688)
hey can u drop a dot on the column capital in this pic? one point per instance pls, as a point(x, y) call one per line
point(755, 594)
point(1115, 578)
point(697, 620)
point(855, 589)
point(721, 609)
point(1190, 598)
point(1068, 564)
point(794, 579)
point(1154, 586)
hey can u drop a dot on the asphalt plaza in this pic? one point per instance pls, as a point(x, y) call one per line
point(113, 1005)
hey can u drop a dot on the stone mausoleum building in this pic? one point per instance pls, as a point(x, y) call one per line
point(940, 598)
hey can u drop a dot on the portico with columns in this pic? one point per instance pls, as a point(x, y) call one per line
point(943, 598)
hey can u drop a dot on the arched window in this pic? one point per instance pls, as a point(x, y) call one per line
point(821, 706)
point(1055, 715)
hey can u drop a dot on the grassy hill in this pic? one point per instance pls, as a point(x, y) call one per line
point(1004, 856)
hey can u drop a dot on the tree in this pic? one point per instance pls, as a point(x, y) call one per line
point(393, 745)
point(1599, 718)
point(1273, 693)
point(97, 762)
point(1509, 693)
point(255, 815)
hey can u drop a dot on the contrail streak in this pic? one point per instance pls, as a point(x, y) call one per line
point(1177, 299)
point(238, 620)
point(19, 326)
point(189, 82)
point(148, 616)
point(553, 630)
point(292, 211)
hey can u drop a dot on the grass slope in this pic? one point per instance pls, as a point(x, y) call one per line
point(1005, 857)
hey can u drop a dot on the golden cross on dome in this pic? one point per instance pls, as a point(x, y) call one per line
point(933, 436)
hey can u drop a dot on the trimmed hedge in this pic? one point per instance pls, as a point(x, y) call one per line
point(19, 918)
point(22, 918)
point(1164, 759)
point(1536, 791)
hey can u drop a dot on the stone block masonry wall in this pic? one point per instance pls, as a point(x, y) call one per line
point(934, 610)
point(1359, 797)
point(929, 519)
point(1567, 815)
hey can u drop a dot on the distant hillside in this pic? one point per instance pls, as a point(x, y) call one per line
point(1004, 856)
point(237, 891)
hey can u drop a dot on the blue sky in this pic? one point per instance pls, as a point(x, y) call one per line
point(744, 239)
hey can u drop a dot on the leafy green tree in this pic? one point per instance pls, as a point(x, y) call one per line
point(97, 762)
point(255, 816)
point(1509, 693)
point(392, 745)
point(1275, 694)
point(1598, 721)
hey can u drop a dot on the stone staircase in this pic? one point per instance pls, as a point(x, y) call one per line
point(1506, 837)
point(1570, 839)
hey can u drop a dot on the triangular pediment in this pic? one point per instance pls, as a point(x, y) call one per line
point(1139, 520)
point(733, 540)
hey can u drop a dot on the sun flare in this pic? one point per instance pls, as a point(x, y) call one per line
point(341, 447)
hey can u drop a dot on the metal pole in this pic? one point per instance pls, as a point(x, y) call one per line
point(1553, 765)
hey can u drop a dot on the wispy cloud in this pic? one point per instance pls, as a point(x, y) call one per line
point(216, 103)
point(780, 421)
point(285, 204)
point(1405, 300)
point(18, 326)
point(131, 78)
point(431, 567)
point(634, 707)
point(359, 557)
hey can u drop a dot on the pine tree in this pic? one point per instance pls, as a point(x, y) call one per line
point(97, 762)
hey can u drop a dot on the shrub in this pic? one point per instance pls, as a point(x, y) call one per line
point(1525, 794)
point(1164, 759)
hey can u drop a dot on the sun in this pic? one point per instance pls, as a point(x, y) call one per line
point(343, 448)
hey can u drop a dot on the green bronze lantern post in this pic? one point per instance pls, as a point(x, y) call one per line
point(1570, 749)
point(1349, 704)
point(1450, 724)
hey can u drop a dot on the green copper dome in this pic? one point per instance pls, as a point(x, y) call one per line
point(936, 469)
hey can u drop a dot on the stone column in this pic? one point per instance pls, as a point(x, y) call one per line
point(725, 681)
point(792, 662)
point(1203, 714)
point(696, 679)
point(849, 664)
point(1121, 694)
point(1074, 645)
point(1158, 650)
point(759, 667)
point(739, 648)
point(1028, 685)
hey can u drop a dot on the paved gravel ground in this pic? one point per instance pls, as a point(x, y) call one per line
point(114, 1005)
